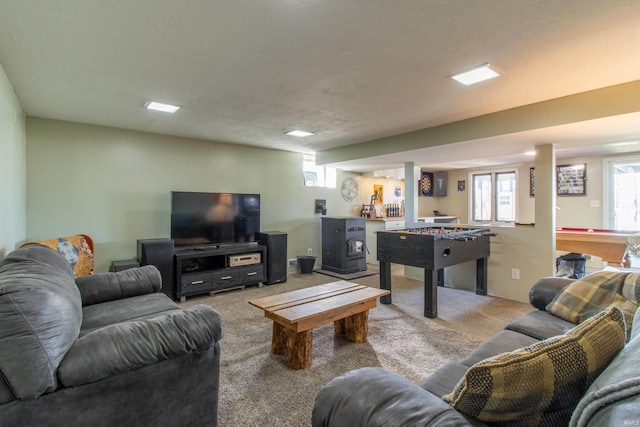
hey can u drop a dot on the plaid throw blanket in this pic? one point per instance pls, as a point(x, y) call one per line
point(597, 292)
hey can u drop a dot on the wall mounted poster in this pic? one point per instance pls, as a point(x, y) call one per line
point(571, 180)
point(440, 184)
point(378, 191)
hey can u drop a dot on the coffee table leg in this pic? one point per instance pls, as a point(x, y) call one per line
point(300, 349)
point(356, 327)
point(338, 327)
point(279, 339)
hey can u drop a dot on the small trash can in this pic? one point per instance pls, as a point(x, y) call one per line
point(306, 264)
point(571, 265)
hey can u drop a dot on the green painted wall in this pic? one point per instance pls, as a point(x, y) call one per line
point(12, 168)
point(115, 185)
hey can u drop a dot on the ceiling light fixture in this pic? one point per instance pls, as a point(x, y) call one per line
point(299, 133)
point(530, 153)
point(159, 106)
point(475, 75)
point(623, 144)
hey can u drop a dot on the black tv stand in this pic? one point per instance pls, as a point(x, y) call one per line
point(210, 269)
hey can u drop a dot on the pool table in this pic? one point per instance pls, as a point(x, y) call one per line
point(610, 245)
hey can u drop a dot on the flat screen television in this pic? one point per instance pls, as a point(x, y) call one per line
point(213, 218)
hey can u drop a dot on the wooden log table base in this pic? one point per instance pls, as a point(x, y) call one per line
point(296, 313)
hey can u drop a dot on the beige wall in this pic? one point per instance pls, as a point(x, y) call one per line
point(12, 168)
point(115, 185)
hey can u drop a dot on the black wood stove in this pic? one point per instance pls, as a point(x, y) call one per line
point(344, 244)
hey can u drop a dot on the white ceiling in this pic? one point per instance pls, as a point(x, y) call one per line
point(246, 71)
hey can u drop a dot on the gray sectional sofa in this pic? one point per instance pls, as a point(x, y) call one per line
point(376, 397)
point(101, 350)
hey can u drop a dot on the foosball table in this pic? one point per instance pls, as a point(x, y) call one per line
point(433, 249)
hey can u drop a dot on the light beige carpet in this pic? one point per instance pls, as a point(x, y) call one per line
point(257, 388)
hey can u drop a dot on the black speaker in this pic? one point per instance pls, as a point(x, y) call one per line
point(159, 252)
point(276, 243)
point(123, 265)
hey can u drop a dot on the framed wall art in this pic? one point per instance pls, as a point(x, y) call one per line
point(571, 180)
point(532, 182)
point(440, 184)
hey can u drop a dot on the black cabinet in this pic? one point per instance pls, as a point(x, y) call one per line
point(207, 270)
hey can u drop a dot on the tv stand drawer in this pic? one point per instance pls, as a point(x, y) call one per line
point(250, 274)
point(196, 282)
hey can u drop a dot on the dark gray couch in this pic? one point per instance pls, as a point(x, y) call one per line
point(376, 397)
point(101, 350)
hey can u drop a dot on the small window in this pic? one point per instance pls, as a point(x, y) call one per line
point(317, 176)
point(493, 196)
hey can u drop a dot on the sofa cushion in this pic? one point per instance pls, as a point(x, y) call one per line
point(103, 287)
point(444, 379)
point(133, 308)
point(127, 346)
point(542, 383)
point(596, 292)
point(502, 342)
point(540, 325)
point(40, 318)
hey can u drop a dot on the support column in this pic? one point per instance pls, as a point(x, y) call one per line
point(411, 178)
point(545, 199)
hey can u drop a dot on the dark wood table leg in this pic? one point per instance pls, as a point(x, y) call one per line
point(481, 276)
point(430, 294)
point(385, 281)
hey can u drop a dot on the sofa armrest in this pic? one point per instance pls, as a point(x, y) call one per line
point(103, 287)
point(124, 347)
point(376, 397)
point(544, 290)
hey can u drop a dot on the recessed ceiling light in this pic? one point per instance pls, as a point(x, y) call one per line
point(299, 133)
point(159, 106)
point(623, 144)
point(475, 75)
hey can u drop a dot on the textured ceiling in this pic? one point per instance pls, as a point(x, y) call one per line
point(246, 71)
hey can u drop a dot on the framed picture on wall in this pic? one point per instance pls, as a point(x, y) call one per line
point(440, 184)
point(571, 180)
point(532, 182)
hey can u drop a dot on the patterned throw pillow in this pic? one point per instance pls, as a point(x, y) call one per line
point(542, 383)
point(596, 292)
point(77, 250)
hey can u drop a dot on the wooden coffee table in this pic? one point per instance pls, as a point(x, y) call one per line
point(296, 313)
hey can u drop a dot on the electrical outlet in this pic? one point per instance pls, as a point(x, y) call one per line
point(515, 274)
point(309, 252)
point(293, 263)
